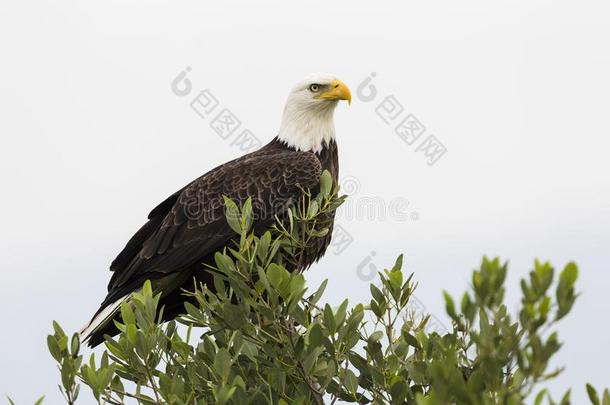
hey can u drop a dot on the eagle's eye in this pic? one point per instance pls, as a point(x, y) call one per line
point(314, 88)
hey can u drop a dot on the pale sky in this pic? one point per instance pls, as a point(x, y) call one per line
point(93, 137)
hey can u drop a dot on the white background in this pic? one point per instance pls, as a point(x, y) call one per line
point(93, 138)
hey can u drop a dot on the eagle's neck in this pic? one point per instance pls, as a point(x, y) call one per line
point(308, 127)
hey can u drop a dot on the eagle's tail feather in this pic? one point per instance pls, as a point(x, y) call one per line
point(100, 321)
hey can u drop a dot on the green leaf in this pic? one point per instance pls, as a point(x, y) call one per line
point(329, 319)
point(315, 297)
point(224, 394)
point(540, 397)
point(222, 364)
point(127, 314)
point(468, 307)
point(398, 264)
point(247, 216)
point(569, 274)
point(54, 347)
point(58, 330)
point(565, 290)
point(147, 289)
point(132, 333)
point(232, 215)
point(398, 390)
point(566, 398)
point(340, 313)
point(233, 315)
point(326, 182)
point(312, 209)
point(450, 306)
point(316, 336)
point(350, 381)
point(376, 336)
point(376, 293)
point(275, 275)
point(75, 344)
point(263, 278)
point(592, 393)
point(410, 339)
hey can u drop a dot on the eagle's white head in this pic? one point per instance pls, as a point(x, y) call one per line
point(307, 122)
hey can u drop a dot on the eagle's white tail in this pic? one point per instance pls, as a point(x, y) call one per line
point(101, 319)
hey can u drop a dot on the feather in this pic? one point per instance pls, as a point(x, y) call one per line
point(101, 319)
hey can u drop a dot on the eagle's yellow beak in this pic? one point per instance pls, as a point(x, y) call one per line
point(338, 91)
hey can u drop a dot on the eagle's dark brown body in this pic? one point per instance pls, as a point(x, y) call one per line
point(187, 228)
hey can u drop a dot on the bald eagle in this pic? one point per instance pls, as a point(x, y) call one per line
point(186, 229)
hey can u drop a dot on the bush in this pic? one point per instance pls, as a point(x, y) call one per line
point(262, 337)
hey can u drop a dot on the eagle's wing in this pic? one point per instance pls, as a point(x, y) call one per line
point(193, 223)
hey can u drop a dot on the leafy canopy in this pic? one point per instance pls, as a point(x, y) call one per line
point(262, 337)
